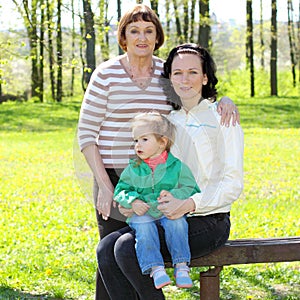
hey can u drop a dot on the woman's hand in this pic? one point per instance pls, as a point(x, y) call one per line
point(139, 207)
point(105, 201)
point(228, 111)
point(174, 208)
point(127, 212)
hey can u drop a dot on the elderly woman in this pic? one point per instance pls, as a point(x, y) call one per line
point(119, 89)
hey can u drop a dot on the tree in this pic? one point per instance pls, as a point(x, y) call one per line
point(249, 46)
point(186, 20)
point(73, 49)
point(154, 5)
point(261, 34)
point(90, 40)
point(103, 30)
point(204, 27)
point(119, 17)
point(29, 14)
point(178, 23)
point(59, 54)
point(273, 62)
point(291, 34)
point(41, 46)
point(192, 18)
point(49, 15)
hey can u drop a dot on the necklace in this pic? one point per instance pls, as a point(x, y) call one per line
point(143, 78)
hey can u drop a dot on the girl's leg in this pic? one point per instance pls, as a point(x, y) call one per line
point(147, 243)
point(126, 259)
point(116, 284)
point(176, 236)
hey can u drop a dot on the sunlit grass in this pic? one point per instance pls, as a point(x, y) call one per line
point(47, 225)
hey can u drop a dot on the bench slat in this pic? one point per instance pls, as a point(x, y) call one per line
point(247, 251)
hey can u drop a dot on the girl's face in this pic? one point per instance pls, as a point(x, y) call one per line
point(146, 145)
point(140, 38)
point(187, 78)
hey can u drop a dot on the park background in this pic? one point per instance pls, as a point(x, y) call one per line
point(48, 227)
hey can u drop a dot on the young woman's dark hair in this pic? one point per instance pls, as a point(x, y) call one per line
point(209, 68)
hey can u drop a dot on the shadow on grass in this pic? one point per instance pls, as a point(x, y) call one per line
point(7, 293)
point(38, 117)
point(271, 114)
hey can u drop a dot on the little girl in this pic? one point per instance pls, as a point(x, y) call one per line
point(142, 183)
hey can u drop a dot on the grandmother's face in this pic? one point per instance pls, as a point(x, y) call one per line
point(140, 38)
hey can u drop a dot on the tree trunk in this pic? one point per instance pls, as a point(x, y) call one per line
point(178, 23)
point(192, 18)
point(204, 29)
point(59, 54)
point(273, 63)
point(249, 46)
point(154, 5)
point(261, 34)
point(89, 39)
point(73, 50)
point(119, 17)
point(186, 20)
point(41, 46)
point(103, 30)
point(30, 19)
point(49, 5)
point(291, 34)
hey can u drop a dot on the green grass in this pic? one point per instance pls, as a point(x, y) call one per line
point(47, 225)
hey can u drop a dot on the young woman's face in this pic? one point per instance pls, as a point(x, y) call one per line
point(187, 77)
point(140, 38)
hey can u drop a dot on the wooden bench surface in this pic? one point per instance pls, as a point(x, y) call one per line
point(247, 251)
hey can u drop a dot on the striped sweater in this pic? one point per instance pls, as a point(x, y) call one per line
point(111, 100)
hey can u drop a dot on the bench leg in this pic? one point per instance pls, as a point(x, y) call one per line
point(210, 284)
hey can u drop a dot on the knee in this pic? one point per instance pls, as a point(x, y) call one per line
point(124, 249)
point(105, 252)
point(178, 225)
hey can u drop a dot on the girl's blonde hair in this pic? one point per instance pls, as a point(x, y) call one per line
point(156, 124)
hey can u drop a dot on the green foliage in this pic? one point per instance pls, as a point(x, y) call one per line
point(48, 227)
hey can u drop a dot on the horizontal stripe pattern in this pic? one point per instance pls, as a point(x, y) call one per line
point(111, 100)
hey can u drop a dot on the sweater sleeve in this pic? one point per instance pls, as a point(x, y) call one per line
point(93, 109)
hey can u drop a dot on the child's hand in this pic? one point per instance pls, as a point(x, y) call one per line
point(139, 207)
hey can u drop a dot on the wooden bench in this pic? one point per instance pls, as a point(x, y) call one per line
point(243, 251)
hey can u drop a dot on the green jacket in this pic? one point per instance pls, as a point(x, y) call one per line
point(137, 181)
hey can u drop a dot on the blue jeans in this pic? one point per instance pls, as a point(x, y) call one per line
point(148, 244)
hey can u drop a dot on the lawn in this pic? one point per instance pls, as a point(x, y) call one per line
point(48, 229)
